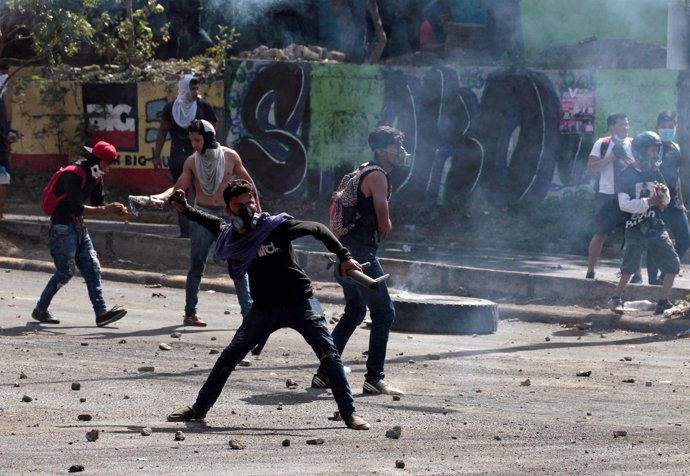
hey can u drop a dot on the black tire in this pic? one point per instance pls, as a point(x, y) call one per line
point(518, 128)
point(444, 315)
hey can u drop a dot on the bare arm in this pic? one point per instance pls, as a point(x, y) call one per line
point(184, 182)
point(241, 173)
point(595, 164)
point(115, 208)
point(160, 140)
point(375, 185)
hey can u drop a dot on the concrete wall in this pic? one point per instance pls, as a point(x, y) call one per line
point(510, 135)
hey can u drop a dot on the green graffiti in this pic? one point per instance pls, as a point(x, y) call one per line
point(346, 102)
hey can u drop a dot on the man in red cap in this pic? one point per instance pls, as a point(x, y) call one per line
point(70, 243)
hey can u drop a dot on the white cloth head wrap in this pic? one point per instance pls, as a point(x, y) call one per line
point(184, 107)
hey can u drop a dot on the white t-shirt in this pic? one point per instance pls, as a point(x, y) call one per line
point(606, 179)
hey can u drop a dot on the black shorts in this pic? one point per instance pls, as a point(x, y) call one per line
point(608, 214)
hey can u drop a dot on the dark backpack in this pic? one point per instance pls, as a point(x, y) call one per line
point(343, 210)
point(50, 199)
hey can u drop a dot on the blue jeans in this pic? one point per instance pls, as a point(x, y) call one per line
point(306, 318)
point(201, 242)
point(357, 300)
point(68, 253)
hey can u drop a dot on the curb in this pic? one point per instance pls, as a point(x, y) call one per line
point(570, 317)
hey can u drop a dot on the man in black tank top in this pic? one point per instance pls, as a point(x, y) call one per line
point(372, 225)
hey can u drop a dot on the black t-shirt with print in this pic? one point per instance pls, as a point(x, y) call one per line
point(275, 278)
point(638, 184)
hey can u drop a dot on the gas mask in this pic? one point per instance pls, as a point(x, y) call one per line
point(246, 218)
point(96, 171)
point(402, 158)
point(648, 163)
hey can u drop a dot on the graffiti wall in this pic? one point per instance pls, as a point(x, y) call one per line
point(515, 135)
point(505, 135)
point(55, 118)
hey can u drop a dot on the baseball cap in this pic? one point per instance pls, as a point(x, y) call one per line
point(103, 150)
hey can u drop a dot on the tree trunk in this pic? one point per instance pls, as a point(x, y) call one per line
point(381, 40)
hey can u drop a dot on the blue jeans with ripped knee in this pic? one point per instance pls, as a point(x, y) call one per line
point(69, 252)
point(305, 317)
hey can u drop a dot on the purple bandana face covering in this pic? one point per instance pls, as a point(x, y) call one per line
point(240, 250)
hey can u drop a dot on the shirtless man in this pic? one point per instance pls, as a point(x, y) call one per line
point(210, 168)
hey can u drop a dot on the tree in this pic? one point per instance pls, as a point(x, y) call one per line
point(58, 30)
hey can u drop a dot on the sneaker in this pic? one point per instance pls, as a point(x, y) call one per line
point(186, 414)
point(108, 317)
point(194, 321)
point(589, 275)
point(44, 316)
point(662, 305)
point(636, 279)
point(616, 304)
point(320, 381)
point(380, 388)
point(356, 422)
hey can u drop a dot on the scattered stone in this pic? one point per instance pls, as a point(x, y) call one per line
point(146, 431)
point(526, 383)
point(627, 359)
point(27, 399)
point(286, 442)
point(157, 285)
point(122, 341)
point(399, 463)
point(245, 363)
point(146, 368)
point(17, 384)
point(82, 399)
point(213, 351)
point(497, 438)
point(76, 386)
point(214, 338)
point(226, 312)
point(158, 295)
point(179, 436)
point(315, 441)
point(547, 339)
point(584, 373)
point(22, 375)
point(237, 443)
point(434, 357)
point(629, 380)
point(92, 435)
point(291, 384)
point(164, 346)
point(176, 335)
point(84, 417)
point(619, 433)
point(76, 468)
point(84, 344)
point(648, 383)
point(394, 432)
point(396, 398)
point(336, 416)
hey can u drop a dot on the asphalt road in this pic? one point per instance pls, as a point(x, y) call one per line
point(506, 403)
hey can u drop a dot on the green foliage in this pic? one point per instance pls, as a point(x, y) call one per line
point(225, 41)
point(61, 29)
point(124, 36)
point(57, 28)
